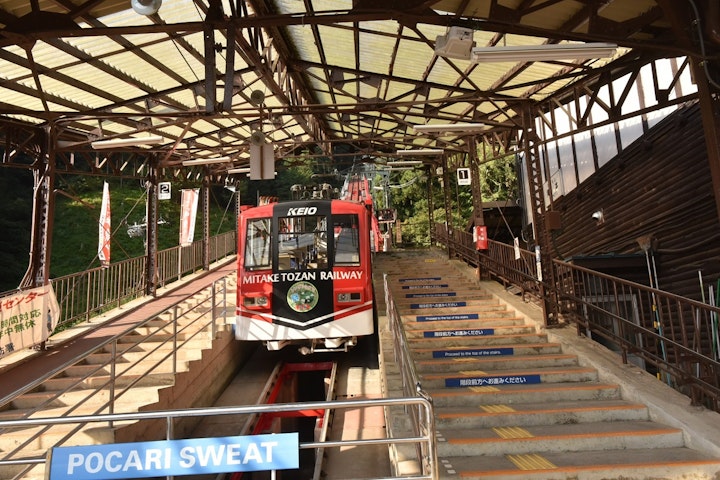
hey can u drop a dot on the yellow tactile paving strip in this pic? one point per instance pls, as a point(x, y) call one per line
point(531, 461)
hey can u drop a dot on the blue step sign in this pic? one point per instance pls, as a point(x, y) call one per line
point(491, 381)
point(456, 316)
point(421, 287)
point(194, 456)
point(463, 332)
point(420, 279)
point(425, 295)
point(475, 352)
point(438, 305)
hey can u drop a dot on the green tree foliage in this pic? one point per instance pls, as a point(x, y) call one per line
point(75, 225)
point(498, 180)
point(16, 188)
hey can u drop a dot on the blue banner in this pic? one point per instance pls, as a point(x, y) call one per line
point(195, 456)
point(492, 381)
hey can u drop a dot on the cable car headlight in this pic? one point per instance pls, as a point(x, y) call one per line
point(259, 301)
point(348, 297)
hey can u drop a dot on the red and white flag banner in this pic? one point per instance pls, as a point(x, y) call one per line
point(188, 214)
point(104, 228)
point(27, 318)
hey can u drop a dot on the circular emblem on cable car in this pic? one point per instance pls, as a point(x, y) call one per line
point(302, 296)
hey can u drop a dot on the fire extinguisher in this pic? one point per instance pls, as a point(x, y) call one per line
point(480, 237)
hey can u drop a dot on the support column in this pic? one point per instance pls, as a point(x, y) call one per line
point(205, 192)
point(448, 210)
point(431, 205)
point(38, 272)
point(535, 168)
point(151, 239)
point(710, 111)
point(476, 187)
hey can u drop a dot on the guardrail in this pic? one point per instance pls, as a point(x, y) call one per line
point(86, 294)
point(423, 420)
point(112, 376)
point(170, 416)
point(675, 338)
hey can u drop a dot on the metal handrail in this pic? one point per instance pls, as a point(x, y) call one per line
point(672, 337)
point(412, 386)
point(171, 415)
point(186, 325)
point(85, 294)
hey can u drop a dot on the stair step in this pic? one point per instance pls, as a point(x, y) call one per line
point(472, 352)
point(464, 329)
point(513, 394)
point(525, 414)
point(481, 378)
point(163, 376)
point(477, 340)
point(632, 464)
point(496, 362)
point(508, 440)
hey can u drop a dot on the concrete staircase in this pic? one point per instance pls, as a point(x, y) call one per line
point(512, 404)
point(144, 371)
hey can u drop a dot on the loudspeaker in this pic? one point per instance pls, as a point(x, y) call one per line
point(257, 138)
point(257, 97)
point(146, 7)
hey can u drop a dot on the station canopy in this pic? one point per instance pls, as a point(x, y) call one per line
point(205, 79)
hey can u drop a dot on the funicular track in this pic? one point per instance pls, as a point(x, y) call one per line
point(292, 382)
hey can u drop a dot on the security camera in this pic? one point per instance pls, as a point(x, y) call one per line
point(598, 216)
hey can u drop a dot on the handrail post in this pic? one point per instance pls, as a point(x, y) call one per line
point(113, 373)
point(175, 339)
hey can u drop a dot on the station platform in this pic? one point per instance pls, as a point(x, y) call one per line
point(570, 407)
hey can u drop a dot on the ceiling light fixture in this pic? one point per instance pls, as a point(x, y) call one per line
point(553, 51)
point(404, 163)
point(420, 151)
point(127, 142)
point(205, 161)
point(450, 127)
point(239, 170)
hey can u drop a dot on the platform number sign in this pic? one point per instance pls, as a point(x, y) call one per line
point(463, 176)
point(164, 191)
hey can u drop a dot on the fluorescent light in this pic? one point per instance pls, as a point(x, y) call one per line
point(239, 170)
point(205, 161)
point(404, 163)
point(450, 127)
point(553, 51)
point(419, 151)
point(127, 142)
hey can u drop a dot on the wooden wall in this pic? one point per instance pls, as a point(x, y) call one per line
point(660, 186)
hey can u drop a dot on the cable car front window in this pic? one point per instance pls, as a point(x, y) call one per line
point(257, 244)
point(346, 230)
point(302, 243)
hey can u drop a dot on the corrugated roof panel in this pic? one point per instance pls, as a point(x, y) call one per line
point(304, 42)
point(20, 100)
point(339, 46)
point(103, 81)
point(74, 95)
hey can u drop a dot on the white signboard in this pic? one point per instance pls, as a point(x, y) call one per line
point(463, 176)
point(27, 318)
point(164, 191)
